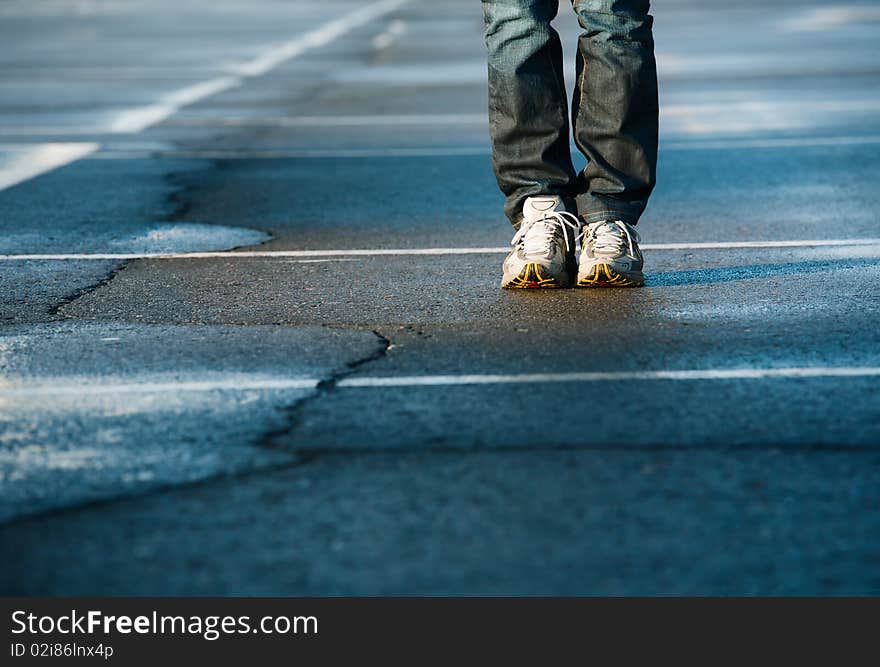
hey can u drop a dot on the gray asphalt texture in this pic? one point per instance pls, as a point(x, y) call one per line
point(118, 477)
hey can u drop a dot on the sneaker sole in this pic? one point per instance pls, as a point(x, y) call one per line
point(532, 278)
point(605, 275)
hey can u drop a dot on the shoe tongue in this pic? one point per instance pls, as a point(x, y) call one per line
point(610, 239)
point(536, 207)
point(607, 227)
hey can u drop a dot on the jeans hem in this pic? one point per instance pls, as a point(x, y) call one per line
point(609, 214)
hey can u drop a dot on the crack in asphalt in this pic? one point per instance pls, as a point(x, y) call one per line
point(179, 205)
point(294, 412)
point(269, 440)
point(57, 311)
point(177, 208)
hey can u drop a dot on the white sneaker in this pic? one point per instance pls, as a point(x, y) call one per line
point(543, 248)
point(610, 256)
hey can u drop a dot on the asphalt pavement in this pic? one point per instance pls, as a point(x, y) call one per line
point(252, 340)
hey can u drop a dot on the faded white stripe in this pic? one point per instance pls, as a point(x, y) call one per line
point(250, 154)
point(387, 38)
point(317, 38)
point(338, 120)
point(380, 252)
point(764, 108)
point(828, 18)
point(102, 387)
point(61, 389)
point(683, 375)
point(124, 153)
point(782, 142)
point(138, 119)
point(51, 156)
point(26, 162)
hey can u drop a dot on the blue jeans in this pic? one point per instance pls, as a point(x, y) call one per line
point(614, 109)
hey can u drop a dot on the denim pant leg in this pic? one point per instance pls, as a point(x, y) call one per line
point(615, 108)
point(528, 109)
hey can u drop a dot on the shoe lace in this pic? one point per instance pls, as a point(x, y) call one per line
point(610, 237)
point(536, 236)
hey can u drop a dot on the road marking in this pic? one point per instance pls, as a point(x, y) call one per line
point(382, 252)
point(814, 243)
point(137, 119)
point(769, 105)
point(282, 154)
point(384, 40)
point(339, 120)
point(618, 376)
point(255, 254)
point(140, 118)
point(26, 162)
point(317, 38)
point(103, 387)
point(51, 130)
point(828, 18)
point(697, 112)
point(734, 117)
point(783, 142)
point(123, 152)
point(421, 151)
point(324, 261)
point(134, 152)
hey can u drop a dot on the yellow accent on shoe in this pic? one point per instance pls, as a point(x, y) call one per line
point(604, 275)
point(532, 278)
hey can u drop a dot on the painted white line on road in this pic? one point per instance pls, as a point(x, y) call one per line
point(720, 245)
point(828, 18)
point(324, 261)
point(338, 121)
point(25, 162)
point(281, 154)
point(381, 252)
point(246, 254)
point(140, 118)
point(617, 376)
point(53, 130)
point(124, 153)
point(697, 112)
point(709, 109)
point(386, 39)
point(84, 388)
point(783, 142)
point(742, 117)
point(110, 388)
point(137, 119)
point(136, 152)
point(317, 38)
